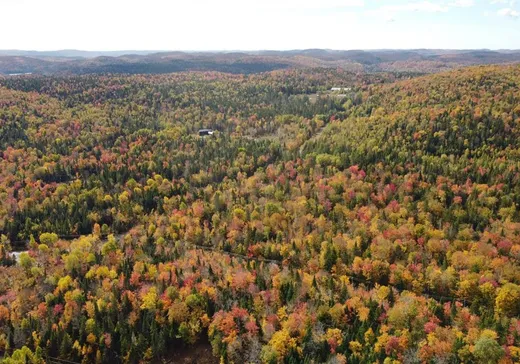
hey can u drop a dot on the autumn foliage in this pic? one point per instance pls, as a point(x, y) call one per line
point(376, 227)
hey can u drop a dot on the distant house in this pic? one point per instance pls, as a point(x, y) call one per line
point(20, 74)
point(205, 132)
point(341, 89)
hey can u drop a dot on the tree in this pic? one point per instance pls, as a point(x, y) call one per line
point(507, 300)
point(48, 239)
point(487, 350)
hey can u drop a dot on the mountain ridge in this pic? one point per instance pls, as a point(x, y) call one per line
point(153, 62)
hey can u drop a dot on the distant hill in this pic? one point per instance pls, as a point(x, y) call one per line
point(133, 62)
point(71, 53)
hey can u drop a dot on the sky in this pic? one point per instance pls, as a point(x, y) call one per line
point(197, 25)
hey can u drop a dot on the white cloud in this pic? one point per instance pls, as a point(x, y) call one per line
point(509, 12)
point(390, 12)
point(177, 25)
point(275, 4)
point(511, 3)
point(462, 3)
point(422, 6)
point(311, 4)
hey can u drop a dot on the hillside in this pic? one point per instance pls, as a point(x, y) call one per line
point(378, 225)
point(464, 116)
point(410, 61)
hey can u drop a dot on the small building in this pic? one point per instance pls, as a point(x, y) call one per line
point(205, 132)
point(341, 89)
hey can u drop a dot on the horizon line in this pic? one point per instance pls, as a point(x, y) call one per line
point(251, 50)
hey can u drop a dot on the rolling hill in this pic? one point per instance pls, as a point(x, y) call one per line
point(376, 226)
point(78, 62)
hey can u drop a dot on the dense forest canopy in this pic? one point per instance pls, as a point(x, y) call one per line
point(375, 224)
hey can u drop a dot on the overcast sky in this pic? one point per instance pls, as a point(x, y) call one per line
point(257, 24)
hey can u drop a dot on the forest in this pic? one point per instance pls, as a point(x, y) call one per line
point(376, 225)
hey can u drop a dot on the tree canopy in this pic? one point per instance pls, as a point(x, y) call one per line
point(376, 226)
